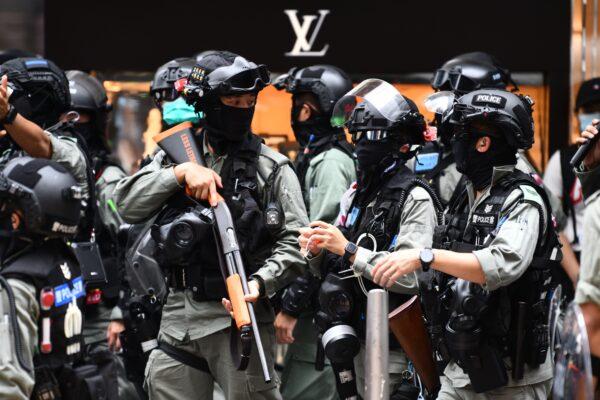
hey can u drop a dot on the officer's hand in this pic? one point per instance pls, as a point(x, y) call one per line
point(3, 97)
point(329, 237)
point(201, 182)
point(593, 157)
point(284, 327)
point(252, 297)
point(112, 334)
point(307, 243)
point(393, 266)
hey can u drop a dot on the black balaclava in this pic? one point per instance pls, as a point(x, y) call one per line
point(476, 166)
point(309, 131)
point(93, 137)
point(227, 126)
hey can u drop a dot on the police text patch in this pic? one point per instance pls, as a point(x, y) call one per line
point(490, 100)
point(63, 293)
point(484, 220)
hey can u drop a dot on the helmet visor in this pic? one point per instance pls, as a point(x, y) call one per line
point(380, 94)
point(453, 80)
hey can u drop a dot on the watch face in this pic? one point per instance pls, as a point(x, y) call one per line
point(426, 256)
point(351, 248)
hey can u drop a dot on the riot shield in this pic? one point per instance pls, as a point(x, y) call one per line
point(554, 321)
point(573, 374)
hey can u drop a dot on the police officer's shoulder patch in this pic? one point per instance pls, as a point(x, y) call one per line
point(530, 194)
point(275, 157)
point(419, 194)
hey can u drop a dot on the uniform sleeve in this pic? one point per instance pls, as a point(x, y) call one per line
point(286, 262)
point(139, 195)
point(326, 183)
point(588, 286)
point(510, 253)
point(417, 223)
point(67, 153)
point(15, 382)
point(105, 186)
point(553, 175)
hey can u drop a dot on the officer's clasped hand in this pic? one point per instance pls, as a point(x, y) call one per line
point(201, 182)
point(328, 237)
point(395, 265)
point(592, 159)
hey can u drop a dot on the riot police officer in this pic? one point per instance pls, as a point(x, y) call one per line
point(172, 106)
point(388, 208)
point(42, 288)
point(485, 297)
point(460, 75)
point(194, 326)
point(325, 168)
point(103, 321)
point(34, 93)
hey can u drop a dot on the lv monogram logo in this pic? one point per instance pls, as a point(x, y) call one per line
point(304, 45)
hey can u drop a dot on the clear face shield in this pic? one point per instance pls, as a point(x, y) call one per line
point(383, 97)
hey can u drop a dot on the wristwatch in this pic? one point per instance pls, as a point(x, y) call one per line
point(426, 257)
point(10, 116)
point(349, 251)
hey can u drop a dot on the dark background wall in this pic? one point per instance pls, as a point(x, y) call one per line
point(369, 37)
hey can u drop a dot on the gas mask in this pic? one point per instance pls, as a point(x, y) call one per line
point(338, 339)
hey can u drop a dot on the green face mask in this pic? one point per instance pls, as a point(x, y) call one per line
point(178, 111)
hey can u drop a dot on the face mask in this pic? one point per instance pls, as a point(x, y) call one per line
point(228, 126)
point(178, 111)
point(478, 167)
point(586, 119)
point(372, 153)
point(317, 126)
point(91, 135)
point(302, 130)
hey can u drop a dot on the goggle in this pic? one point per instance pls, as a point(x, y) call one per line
point(370, 135)
point(453, 80)
point(249, 80)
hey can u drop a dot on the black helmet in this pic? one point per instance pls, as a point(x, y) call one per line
point(41, 89)
point(326, 82)
point(221, 73)
point(383, 112)
point(87, 93)
point(162, 87)
point(471, 71)
point(509, 112)
point(45, 192)
point(10, 54)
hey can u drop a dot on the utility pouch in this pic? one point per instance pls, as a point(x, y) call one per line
point(46, 385)
point(83, 382)
point(537, 345)
point(92, 269)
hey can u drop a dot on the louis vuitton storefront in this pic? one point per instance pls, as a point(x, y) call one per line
point(400, 41)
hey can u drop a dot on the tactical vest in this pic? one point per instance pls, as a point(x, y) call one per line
point(430, 164)
point(51, 267)
point(107, 244)
point(509, 317)
point(375, 227)
point(241, 193)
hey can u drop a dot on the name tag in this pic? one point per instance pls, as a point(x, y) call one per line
point(484, 220)
point(426, 162)
point(63, 294)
